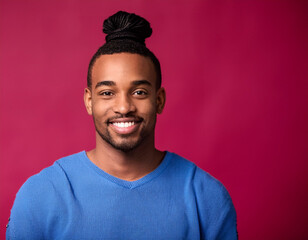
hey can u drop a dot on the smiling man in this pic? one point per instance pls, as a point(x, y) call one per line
point(124, 98)
point(124, 188)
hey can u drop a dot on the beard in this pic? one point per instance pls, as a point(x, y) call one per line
point(126, 144)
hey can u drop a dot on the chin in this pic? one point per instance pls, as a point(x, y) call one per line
point(124, 145)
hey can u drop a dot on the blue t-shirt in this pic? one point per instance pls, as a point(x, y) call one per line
point(74, 199)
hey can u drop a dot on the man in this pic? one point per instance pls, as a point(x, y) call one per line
point(124, 188)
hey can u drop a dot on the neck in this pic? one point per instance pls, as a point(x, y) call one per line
point(129, 166)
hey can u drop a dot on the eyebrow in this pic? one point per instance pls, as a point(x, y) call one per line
point(112, 83)
point(105, 83)
point(141, 82)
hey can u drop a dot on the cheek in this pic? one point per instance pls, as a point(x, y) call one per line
point(100, 109)
point(146, 108)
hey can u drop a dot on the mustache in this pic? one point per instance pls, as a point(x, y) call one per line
point(120, 116)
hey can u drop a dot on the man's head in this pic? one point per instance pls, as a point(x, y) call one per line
point(124, 93)
point(126, 32)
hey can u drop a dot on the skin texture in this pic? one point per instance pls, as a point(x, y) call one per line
point(124, 90)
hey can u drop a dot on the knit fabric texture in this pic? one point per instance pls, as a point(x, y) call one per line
point(74, 199)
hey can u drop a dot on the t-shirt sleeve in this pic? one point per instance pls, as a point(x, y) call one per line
point(216, 211)
point(28, 214)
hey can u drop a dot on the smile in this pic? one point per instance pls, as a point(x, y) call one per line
point(123, 124)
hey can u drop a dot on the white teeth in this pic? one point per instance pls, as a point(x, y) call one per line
point(123, 124)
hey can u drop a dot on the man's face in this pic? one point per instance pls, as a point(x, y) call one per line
point(123, 100)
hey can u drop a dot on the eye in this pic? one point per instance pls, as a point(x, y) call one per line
point(106, 93)
point(140, 93)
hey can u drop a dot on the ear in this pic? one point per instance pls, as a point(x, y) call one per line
point(87, 97)
point(160, 100)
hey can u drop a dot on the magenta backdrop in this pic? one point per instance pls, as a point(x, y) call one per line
point(235, 73)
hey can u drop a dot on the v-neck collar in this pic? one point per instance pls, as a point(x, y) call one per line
point(128, 184)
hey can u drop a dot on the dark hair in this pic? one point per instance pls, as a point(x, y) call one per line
point(126, 32)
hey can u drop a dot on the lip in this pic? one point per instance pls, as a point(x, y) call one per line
point(126, 119)
point(124, 125)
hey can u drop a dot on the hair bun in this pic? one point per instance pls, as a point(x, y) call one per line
point(124, 25)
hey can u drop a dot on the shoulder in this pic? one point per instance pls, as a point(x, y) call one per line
point(43, 183)
point(201, 180)
point(51, 175)
point(41, 195)
point(207, 185)
point(180, 164)
point(215, 207)
point(40, 190)
point(216, 212)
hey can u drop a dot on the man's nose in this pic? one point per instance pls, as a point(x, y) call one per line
point(124, 104)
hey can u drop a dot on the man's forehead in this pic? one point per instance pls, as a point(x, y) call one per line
point(133, 83)
point(133, 67)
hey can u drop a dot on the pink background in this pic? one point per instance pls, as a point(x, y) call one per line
point(236, 76)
